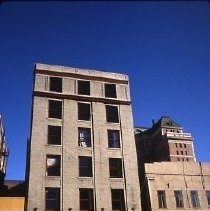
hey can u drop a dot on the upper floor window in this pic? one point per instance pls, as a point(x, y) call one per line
point(54, 135)
point(112, 114)
point(86, 199)
point(161, 199)
point(55, 84)
point(85, 166)
point(194, 198)
point(113, 138)
point(53, 165)
point(179, 198)
point(118, 200)
point(84, 111)
point(110, 90)
point(84, 137)
point(83, 87)
point(55, 109)
point(208, 197)
point(115, 167)
point(52, 199)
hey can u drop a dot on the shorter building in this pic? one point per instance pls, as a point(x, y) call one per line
point(164, 141)
point(176, 186)
point(3, 153)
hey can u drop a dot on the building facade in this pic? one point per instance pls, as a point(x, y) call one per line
point(3, 153)
point(177, 186)
point(81, 153)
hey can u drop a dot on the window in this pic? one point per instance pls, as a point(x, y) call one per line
point(55, 109)
point(118, 201)
point(84, 137)
point(194, 198)
point(54, 135)
point(187, 159)
point(161, 199)
point(84, 111)
point(176, 144)
point(55, 84)
point(208, 197)
point(86, 199)
point(110, 90)
point(52, 199)
point(85, 166)
point(53, 165)
point(83, 87)
point(185, 152)
point(112, 114)
point(180, 145)
point(185, 146)
point(177, 152)
point(178, 159)
point(179, 198)
point(113, 138)
point(115, 167)
point(181, 152)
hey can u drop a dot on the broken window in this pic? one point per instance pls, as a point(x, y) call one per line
point(84, 137)
point(53, 165)
point(118, 201)
point(84, 111)
point(110, 90)
point(179, 198)
point(85, 166)
point(83, 87)
point(113, 138)
point(55, 109)
point(86, 199)
point(161, 199)
point(55, 84)
point(194, 199)
point(52, 199)
point(54, 135)
point(112, 114)
point(115, 167)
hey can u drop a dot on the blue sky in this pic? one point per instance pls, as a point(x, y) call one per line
point(164, 47)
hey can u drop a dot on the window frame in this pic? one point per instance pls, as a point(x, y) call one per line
point(89, 201)
point(82, 111)
point(208, 197)
point(55, 200)
point(85, 166)
point(112, 116)
point(51, 169)
point(110, 90)
point(161, 199)
point(86, 142)
point(83, 90)
point(118, 203)
point(115, 168)
point(179, 198)
point(55, 113)
point(56, 86)
point(53, 134)
point(195, 199)
point(112, 141)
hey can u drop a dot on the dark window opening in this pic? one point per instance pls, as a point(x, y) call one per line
point(208, 197)
point(54, 135)
point(179, 198)
point(55, 84)
point(85, 166)
point(113, 138)
point(118, 201)
point(177, 152)
point(161, 199)
point(86, 199)
point(53, 165)
point(112, 114)
point(110, 90)
point(176, 144)
point(52, 199)
point(180, 145)
point(83, 87)
point(194, 199)
point(115, 167)
point(185, 145)
point(84, 137)
point(84, 111)
point(55, 109)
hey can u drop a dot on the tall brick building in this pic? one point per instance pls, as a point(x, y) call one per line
point(81, 153)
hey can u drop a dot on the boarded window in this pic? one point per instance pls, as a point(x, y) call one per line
point(113, 138)
point(118, 201)
point(84, 111)
point(55, 84)
point(83, 87)
point(54, 135)
point(115, 167)
point(53, 165)
point(110, 90)
point(52, 199)
point(84, 137)
point(55, 109)
point(86, 199)
point(112, 114)
point(85, 166)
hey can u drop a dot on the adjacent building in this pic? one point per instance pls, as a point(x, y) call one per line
point(81, 153)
